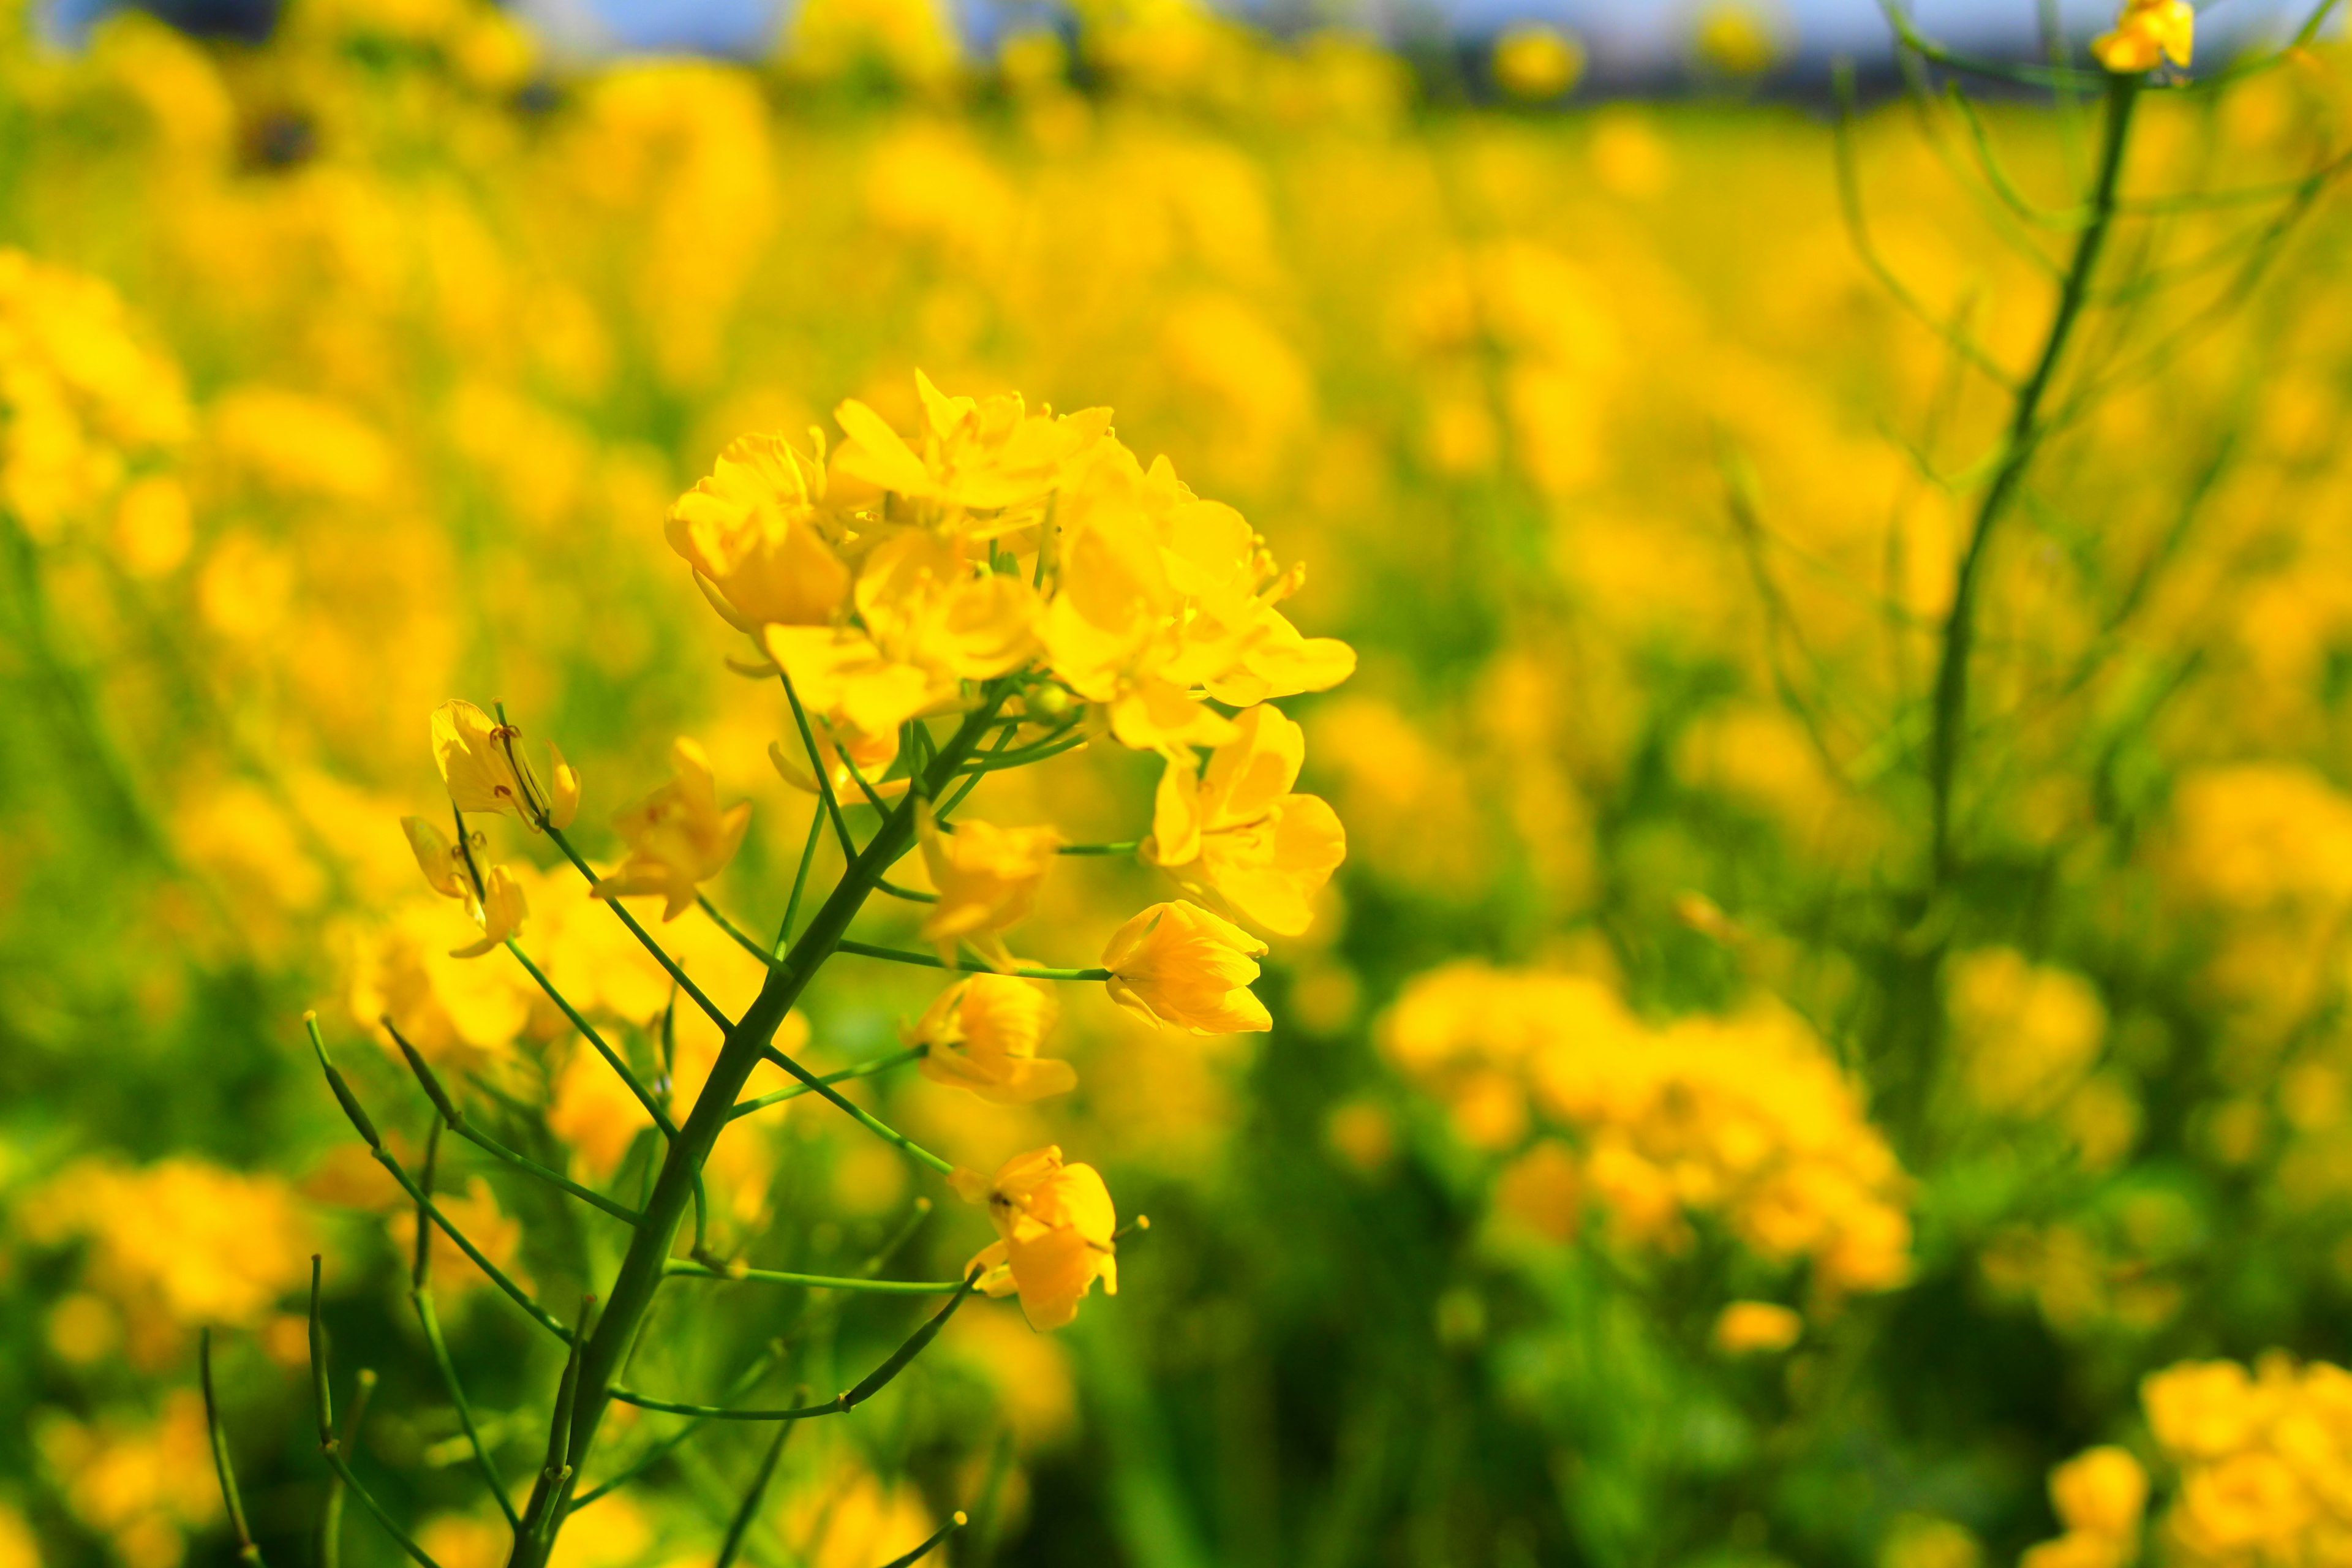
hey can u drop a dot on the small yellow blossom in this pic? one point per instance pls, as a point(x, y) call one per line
point(982, 1034)
point(1177, 964)
point(2102, 1491)
point(476, 755)
point(750, 530)
point(1747, 1328)
point(872, 754)
point(677, 836)
point(1238, 829)
point(1534, 62)
point(500, 911)
point(1055, 1230)
point(987, 879)
point(2148, 33)
point(978, 456)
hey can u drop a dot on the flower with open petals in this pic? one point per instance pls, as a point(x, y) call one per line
point(982, 455)
point(677, 836)
point(1176, 964)
point(500, 910)
point(476, 755)
point(751, 529)
point(987, 880)
point(2148, 33)
point(982, 1034)
point(1055, 1228)
point(1239, 831)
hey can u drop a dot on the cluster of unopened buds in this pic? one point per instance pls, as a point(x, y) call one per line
point(999, 588)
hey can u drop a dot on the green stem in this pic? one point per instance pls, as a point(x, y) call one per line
point(1128, 848)
point(344, 1472)
point(956, 1522)
point(856, 1113)
point(747, 1041)
point(662, 1449)
point(817, 770)
point(496, 1150)
point(1951, 693)
point(421, 1298)
point(612, 1057)
point(872, 1383)
point(644, 936)
point(800, 884)
point(247, 1551)
point(331, 1518)
point(539, 1314)
point(931, 960)
point(753, 1496)
point(679, 1266)
point(863, 1069)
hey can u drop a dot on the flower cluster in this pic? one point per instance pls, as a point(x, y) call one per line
point(1744, 1120)
point(2146, 34)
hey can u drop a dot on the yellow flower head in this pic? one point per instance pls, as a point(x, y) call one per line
point(2148, 33)
point(500, 911)
point(982, 1034)
point(1054, 1225)
point(2102, 1491)
point(1238, 829)
point(477, 760)
point(1177, 964)
point(975, 462)
point(987, 880)
point(751, 529)
point(677, 836)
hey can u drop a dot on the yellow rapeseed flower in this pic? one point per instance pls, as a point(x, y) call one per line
point(1054, 1225)
point(977, 461)
point(982, 1034)
point(753, 532)
point(500, 910)
point(1238, 829)
point(444, 866)
point(677, 836)
point(476, 758)
point(1748, 1328)
point(2146, 34)
point(1178, 964)
point(2101, 1491)
point(987, 879)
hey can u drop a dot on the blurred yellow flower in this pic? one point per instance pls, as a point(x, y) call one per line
point(500, 911)
point(1534, 62)
point(871, 754)
point(437, 857)
point(2146, 34)
point(475, 1211)
point(677, 836)
point(1238, 829)
point(1177, 965)
point(1054, 1225)
point(1749, 1328)
point(987, 879)
point(476, 755)
point(2024, 1033)
point(2102, 1492)
point(982, 1034)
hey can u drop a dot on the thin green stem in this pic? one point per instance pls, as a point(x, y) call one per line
point(735, 933)
point(644, 936)
point(612, 1057)
point(680, 1268)
point(885, 886)
point(857, 777)
point(496, 1150)
point(1127, 847)
point(858, 1113)
point(869, 1386)
point(800, 883)
point(497, 1276)
point(343, 1471)
point(1951, 692)
point(956, 1522)
point(247, 1551)
point(661, 1450)
point(331, 1518)
point(752, 1497)
point(863, 1069)
point(932, 961)
point(421, 1298)
point(817, 769)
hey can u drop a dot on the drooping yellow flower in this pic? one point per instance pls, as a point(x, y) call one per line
point(677, 836)
point(982, 1034)
point(501, 909)
point(751, 529)
point(987, 880)
point(476, 755)
point(1238, 829)
point(1054, 1227)
point(444, 866)
point(973, 456)
point(1176, 964)
point(2146, 34)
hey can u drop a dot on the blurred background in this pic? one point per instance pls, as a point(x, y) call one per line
point(1663, 1155)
